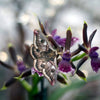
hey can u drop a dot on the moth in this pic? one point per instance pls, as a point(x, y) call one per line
point(44, 57)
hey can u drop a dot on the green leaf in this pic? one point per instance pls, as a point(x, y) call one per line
point(78, 57)
point(59, 92)
point(76, 84)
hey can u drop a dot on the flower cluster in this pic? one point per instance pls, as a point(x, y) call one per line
point(55, 47)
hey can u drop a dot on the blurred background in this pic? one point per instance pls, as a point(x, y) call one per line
point(60, 14)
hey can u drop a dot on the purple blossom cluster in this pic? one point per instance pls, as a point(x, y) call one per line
point(65, 65)
point(65, 62)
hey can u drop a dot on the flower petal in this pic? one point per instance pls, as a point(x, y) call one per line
point(75, 52)
point(91, 37)
point(12, 52)
point(65, 66)
point(42, 27)
point(21, 66)
point(61, 79)
point(85, 37)
point(53, 33)
point(68, 39)
point(81, 62)
point(11, 81)
point(81, 74)
point(82, 48)
point(66, 56)
point(93, 49)
point(54, 43)
point(60, 41)
point(6, 65)
point(95, 63)
point(25, 73)
point(93, 53)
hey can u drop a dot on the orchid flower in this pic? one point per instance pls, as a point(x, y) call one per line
point(90, 51)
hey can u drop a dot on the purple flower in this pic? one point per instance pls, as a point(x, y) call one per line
point(61, 41)
point(90, 51)
point(65, 65)
point(95, 60)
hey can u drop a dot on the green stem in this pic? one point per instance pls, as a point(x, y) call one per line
point(36, 79)
point(26, 85)
point(30, 96)
point(32, 90)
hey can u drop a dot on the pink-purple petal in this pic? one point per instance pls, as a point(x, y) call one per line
point(93, 53)
point(66, 56)
point(65, 66)
point(95, 63)
point(35, 71)
point(62, 41)
point(93, 49)
point(53, 33)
